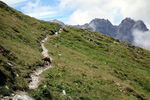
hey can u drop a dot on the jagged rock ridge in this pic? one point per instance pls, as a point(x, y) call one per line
point(123, 31)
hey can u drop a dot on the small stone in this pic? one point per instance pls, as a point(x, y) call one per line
point(64, 92)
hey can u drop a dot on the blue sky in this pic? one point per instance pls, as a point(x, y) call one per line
point(83, 11)
point(75, 12)
point(41, 9)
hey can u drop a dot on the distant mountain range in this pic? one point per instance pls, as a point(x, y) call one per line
point(58, 22)
point(122, 32)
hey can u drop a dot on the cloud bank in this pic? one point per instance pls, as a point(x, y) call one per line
point(114, 10)
point(83, 11)
point(142, 39)
point(35, 9)
point(13, 2)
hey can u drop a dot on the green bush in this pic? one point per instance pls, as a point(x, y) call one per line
point(5, 91)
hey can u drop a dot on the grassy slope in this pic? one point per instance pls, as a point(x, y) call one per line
point(19, 45)
point(87, 65)
point(92, 66)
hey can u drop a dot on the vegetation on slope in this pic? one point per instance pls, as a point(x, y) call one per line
point(87, 65)
point(20, 51)
point(92, 66)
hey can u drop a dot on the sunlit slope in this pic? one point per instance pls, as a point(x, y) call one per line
point(86, 65)
point(92, 66)
point(20, 50)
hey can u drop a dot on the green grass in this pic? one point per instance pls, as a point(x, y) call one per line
point(20, 37)
point(92, 66)
point(87, 65)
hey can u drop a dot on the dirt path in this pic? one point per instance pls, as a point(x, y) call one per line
point(22, 96)
point(35, 76)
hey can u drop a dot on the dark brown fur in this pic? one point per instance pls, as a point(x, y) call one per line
point(47, 59)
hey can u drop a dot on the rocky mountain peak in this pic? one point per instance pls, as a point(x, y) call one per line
point(58, 21)
point(140, 26)
point(127, 20)
point(123, 31)
point(100, 21)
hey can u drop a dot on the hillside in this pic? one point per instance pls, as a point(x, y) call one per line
point(20, 37)
point(92, 66)
point(86, 65)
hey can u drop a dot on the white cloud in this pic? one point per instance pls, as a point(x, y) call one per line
point(136, 9)
point(86, 10)
point(13, 2)
point(142, 39)
point(35, 9)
